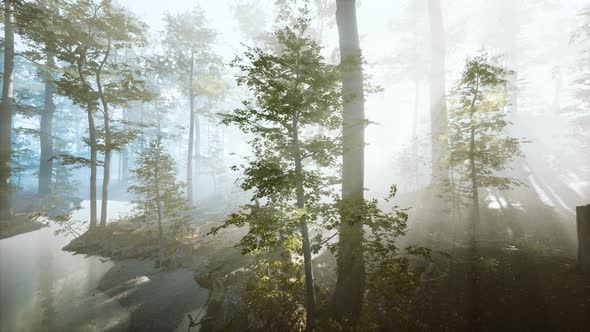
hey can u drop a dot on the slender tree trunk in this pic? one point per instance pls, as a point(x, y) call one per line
point(6, 115)
point(308, 268)
point(191, 134)
point(93, 168)
point(473, 170)
point(125, 157)
point(46, 130)
point(197, 152)
point(438, 109)
point(107, 141)
point(92, 144)
point(474, 184)
point(415, 134)
point(159, 207)
point(349, 291)
point(474, 272)
point(583, 227)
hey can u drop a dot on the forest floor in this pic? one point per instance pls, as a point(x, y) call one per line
point(506, 289)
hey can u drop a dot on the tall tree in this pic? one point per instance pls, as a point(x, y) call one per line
point(478, 145)
point(92, 31)
point(295, 92)
point(188, 39)
point(38, 25)
point(351, 269)
point(120, 30)
point(6, 113)
point(157, 192)
point(438, 109)
point(582, 81)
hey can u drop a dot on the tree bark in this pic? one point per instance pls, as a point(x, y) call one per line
point(474, 184)
point(107, 140)
point(583, 221)
point(191, 134)
point(159, 206)
point(349, 291)
point(6, 114)
point(93, 168)
point(92, 144)
point(197, 152)
point(308, 269)
point(438, 109)
point(473, 174)
point(46, 129)
point(415, 134)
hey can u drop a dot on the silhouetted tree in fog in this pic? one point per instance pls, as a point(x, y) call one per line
point(478, 145)
point(6, 113)
point(351, 268)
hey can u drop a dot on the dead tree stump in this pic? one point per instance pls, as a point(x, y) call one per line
point(583, 221)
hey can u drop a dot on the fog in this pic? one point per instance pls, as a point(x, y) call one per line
point(290, 165)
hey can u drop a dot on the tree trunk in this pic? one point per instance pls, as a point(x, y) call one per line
point(125, 158)
point(438, 109)
point(93, 168)
point(583, 221)
point(473, 171)
point(349, 291)
point(474, 184)
point(107, 141)
point(415, 135)
point(6, 115)
point(308, 269)
point(191, 135)
point(46, 130)
point(197, 152)
point(159, 207)
point(92, 144)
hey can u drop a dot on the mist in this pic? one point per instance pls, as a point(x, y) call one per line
point(295, 165)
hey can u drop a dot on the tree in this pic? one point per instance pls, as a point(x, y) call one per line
point(351, 270)
point(295, 93)
point(438, 109)
point(478, 147)
point(188, 39)
point(92, 32)
point(38, 25)
point(121, 30)
point(158, 193)
point(6, 113)
point(582, 122)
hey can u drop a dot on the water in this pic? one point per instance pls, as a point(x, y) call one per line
point(43, 288)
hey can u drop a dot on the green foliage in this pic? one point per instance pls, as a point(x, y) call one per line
point(24, 156)
point(390, 282)
point(187, 38)
point(477, 123)
point(71, 160)
point(120, 137)
point(294, 118)
point(275, 293)
point(90, 34)
point(155, 187)
point(295, 92)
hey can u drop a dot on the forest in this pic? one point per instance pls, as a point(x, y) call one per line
point(295, 165)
